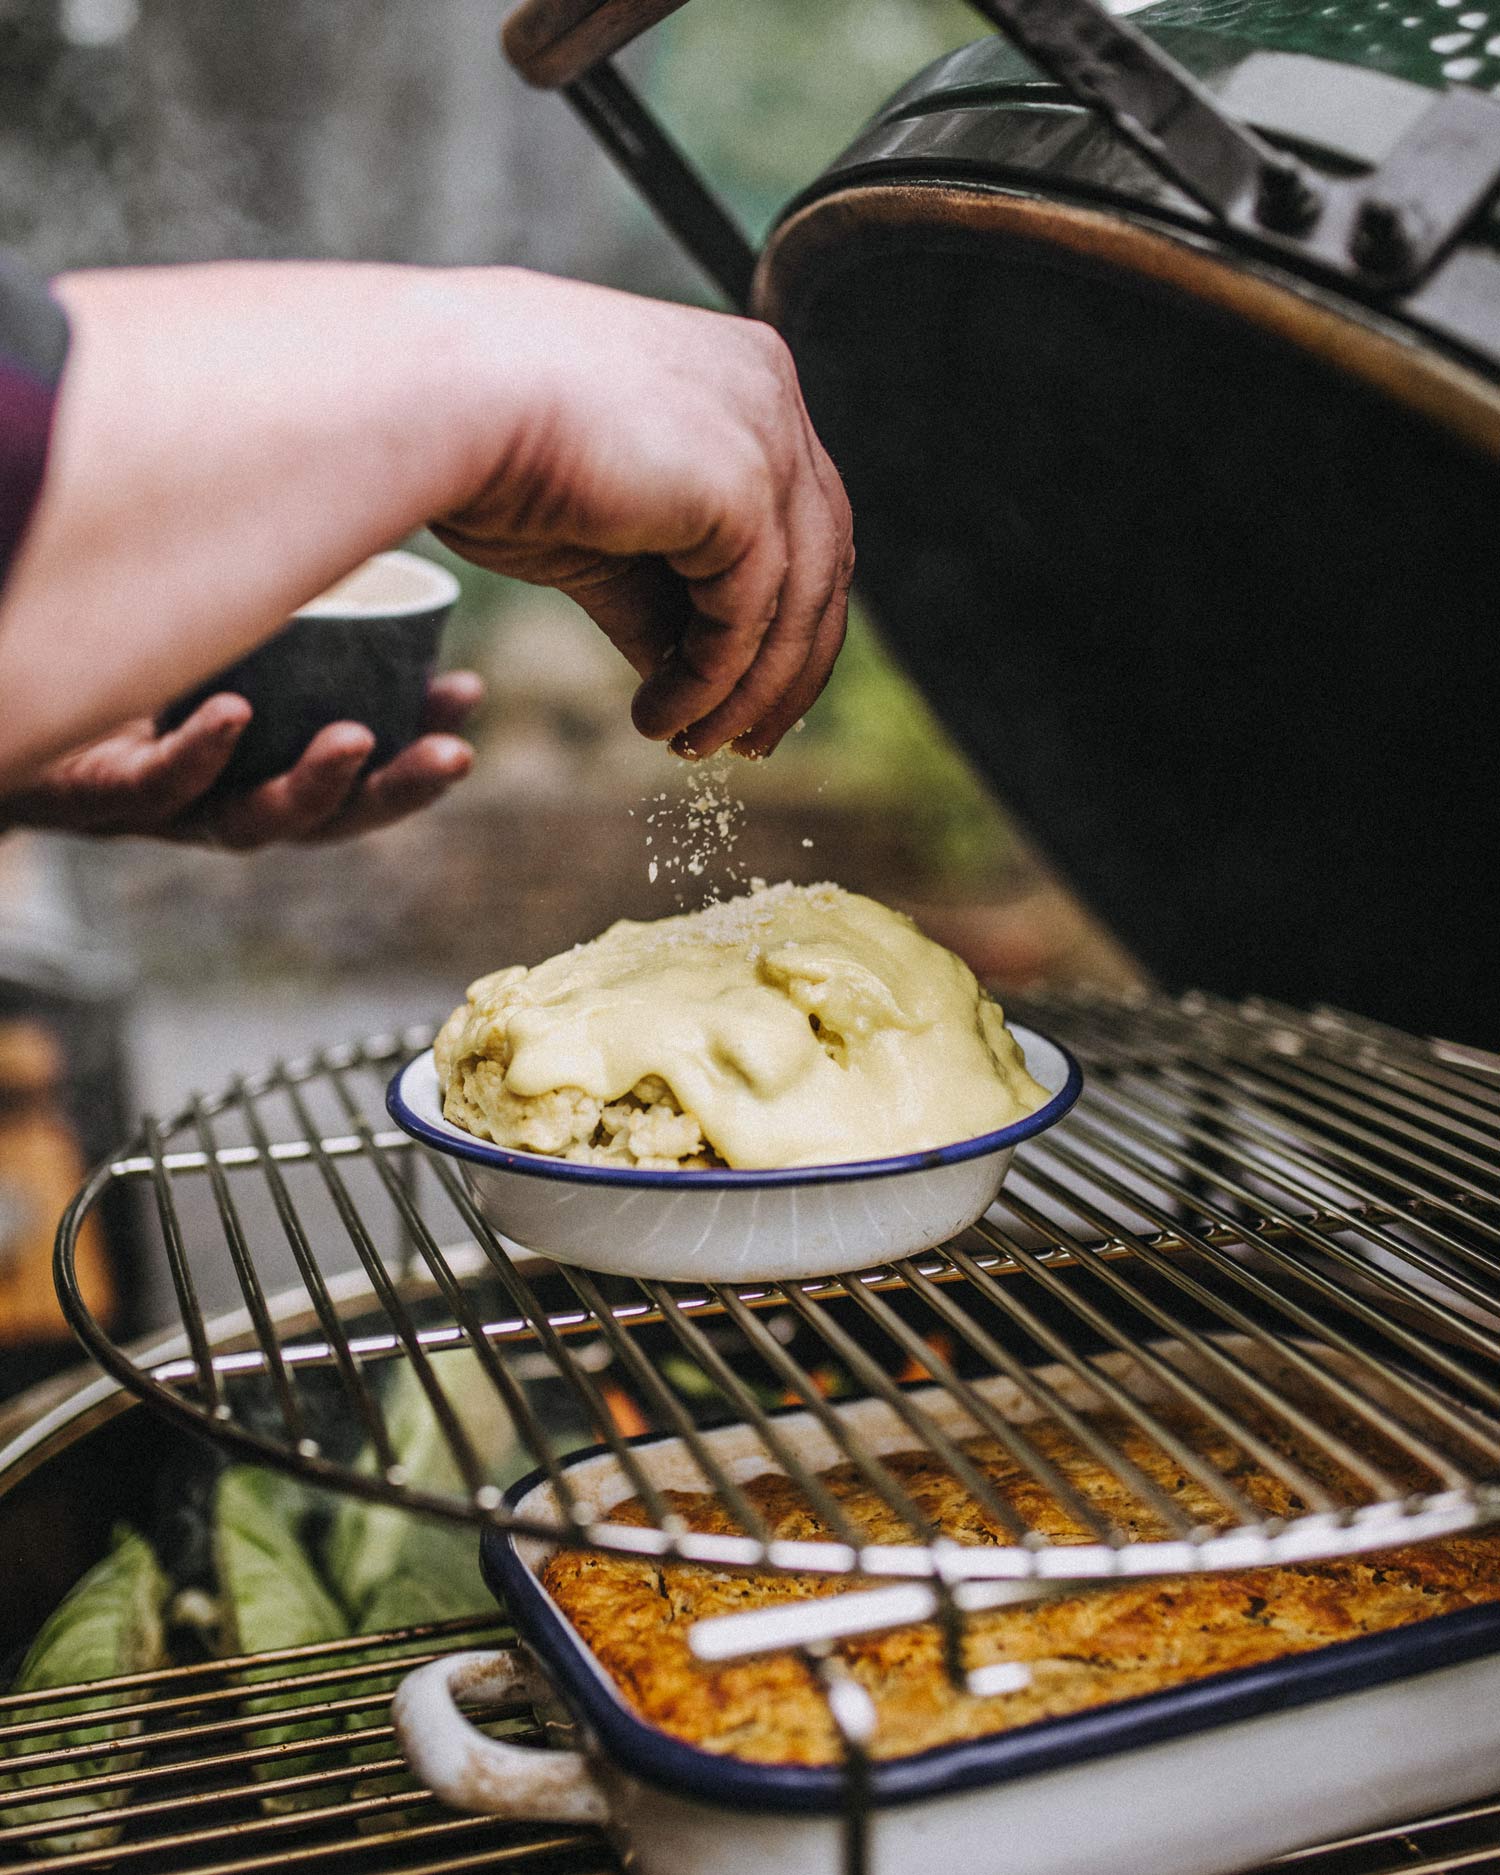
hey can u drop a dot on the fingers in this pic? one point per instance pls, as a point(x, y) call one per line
point(737, 580)
point(171, 772)
point(295, 805)
point(138, 782)
point(799, 697)
point(323, 798)
point(414, 779)
point(738, 664)
point(134, 781)
point(797, 653)
point(452, 699)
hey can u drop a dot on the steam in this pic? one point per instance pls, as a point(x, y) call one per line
point(192, 130)
point(97, 22)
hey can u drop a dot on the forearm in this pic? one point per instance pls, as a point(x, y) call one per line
point(228, 440)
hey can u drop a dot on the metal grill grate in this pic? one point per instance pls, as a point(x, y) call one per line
point(196, 1792)
point(191, 1803)
point(1266, 1246)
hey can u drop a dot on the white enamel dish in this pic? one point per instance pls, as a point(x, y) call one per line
point(733, 1226)
point(1203, 1779)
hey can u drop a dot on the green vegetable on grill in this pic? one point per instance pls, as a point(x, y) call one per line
point(274, 1598)
point(111, 1624)
point(396, 1570)
point(392, 1569)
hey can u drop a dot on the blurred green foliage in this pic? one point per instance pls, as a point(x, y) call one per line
point(871, 732)
point(764, 96)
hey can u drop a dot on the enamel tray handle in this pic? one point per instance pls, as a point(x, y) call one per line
point(469, 1771)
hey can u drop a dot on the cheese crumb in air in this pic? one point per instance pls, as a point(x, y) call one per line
point(699, 829)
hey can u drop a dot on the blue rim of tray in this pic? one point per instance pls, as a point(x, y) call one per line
point(654, 1756)
point(535, 1165)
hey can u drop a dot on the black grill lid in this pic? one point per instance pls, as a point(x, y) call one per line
point(1181, 507)
point(1192, 549)
point(984, 119)
point(1216, 616)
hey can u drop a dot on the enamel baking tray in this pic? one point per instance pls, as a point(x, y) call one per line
point(1217, 1775)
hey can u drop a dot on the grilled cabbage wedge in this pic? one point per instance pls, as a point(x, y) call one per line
point(394, 1570)
point(273, 1597)
point(111, 1624)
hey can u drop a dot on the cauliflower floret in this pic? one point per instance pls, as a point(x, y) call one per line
point(648, 1128)
point(645, 1128)
point(479, 1101)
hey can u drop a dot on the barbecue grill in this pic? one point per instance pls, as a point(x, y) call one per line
point(1272, 1219)
point(195, 1812)
point(196, 1808)
point(1111, 335)
point(1268, 1221)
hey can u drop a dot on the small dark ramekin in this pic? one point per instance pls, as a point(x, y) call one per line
point(361, 665)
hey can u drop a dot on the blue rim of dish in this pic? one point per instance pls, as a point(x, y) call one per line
point(535, 1165)
point(654, 1756)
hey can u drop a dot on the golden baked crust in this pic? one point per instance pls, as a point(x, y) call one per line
point(1084, 1651)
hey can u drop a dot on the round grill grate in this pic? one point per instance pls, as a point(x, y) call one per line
point(1242, 1307)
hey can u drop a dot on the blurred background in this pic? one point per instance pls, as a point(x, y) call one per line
point(183, 130)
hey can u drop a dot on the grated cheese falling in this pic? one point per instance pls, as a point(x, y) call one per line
point(696, 832)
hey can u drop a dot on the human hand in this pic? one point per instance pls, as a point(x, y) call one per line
point(655, 462)
point(137, 781)
point(663, 472)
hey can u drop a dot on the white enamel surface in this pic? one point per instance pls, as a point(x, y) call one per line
point(1208, 1804)
point(471, 1771)
point(749, 1233)
point(1204, 1805)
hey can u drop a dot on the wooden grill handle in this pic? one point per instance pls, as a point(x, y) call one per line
point(553, 42)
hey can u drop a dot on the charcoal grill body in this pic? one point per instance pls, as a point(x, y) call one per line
point(1191, 546)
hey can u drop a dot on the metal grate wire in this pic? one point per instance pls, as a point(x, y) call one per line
point(197, 1798)
point(193, 1792)
point(1261, 1232)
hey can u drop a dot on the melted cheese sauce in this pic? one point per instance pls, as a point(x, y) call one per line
point(801, 1025)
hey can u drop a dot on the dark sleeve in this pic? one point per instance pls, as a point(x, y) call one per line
point(33, 344)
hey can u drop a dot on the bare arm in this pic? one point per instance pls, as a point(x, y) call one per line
point(230, 439)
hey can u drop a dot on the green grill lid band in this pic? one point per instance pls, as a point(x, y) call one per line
point(1429, 42)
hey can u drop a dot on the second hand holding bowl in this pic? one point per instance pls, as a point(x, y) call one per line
point(361, 652)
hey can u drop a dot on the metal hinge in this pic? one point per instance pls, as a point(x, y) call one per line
point(1385, 230)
